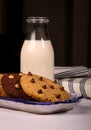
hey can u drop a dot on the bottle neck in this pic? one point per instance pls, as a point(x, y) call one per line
point(37, 31)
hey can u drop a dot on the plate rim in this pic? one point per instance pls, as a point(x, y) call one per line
point(74, 98)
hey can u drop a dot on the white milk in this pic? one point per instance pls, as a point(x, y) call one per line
point(37, 56)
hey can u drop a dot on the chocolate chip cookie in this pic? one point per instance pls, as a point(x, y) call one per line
point(42, 89)
point(11, 85)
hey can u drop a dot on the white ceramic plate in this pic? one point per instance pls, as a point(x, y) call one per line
point(41, 107)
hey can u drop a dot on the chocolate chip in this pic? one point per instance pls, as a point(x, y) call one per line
point(52, 87)
point(62, 88)
point(32, 80)
point(44, 86)
point(55, 81)
point(29, 73)
point(58, 96)
point(41, 78)
point(39, 91)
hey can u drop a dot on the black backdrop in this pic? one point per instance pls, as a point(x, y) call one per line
point(69, 29)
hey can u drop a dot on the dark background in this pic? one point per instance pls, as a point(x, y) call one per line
point(69, 28)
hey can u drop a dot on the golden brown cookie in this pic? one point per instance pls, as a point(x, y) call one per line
point(42, 89)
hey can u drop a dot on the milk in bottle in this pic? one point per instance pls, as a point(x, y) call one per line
point(37, 54)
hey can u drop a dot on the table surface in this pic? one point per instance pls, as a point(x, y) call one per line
point(78, 118)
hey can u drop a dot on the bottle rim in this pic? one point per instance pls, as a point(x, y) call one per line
point(37, 19)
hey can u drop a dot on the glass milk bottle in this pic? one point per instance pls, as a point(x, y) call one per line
point(37, 54)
